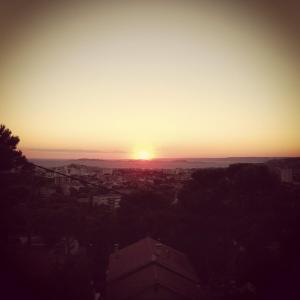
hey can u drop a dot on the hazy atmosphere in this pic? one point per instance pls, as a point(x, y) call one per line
point(149, 79)
point(150, 149)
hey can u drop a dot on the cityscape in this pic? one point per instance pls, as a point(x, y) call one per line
point(149, 150)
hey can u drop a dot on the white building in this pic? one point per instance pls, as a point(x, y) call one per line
point(112, 200)
point(286, 175)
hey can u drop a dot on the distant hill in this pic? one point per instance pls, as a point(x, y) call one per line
point(187, 163)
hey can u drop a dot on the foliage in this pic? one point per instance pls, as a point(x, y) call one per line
point(239, 226)
point(9, 155)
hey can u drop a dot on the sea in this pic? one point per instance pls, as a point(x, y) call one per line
point(182, 163)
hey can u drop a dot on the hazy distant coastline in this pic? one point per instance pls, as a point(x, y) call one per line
point(160, 163)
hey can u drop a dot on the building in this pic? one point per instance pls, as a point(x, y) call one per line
point(148, 269)
point(112, 200)
point(286, 175)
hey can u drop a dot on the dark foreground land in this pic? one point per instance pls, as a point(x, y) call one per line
point(239, 226)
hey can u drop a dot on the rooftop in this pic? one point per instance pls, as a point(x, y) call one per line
point(148, 263)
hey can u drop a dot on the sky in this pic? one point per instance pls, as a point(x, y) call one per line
point(149, 79)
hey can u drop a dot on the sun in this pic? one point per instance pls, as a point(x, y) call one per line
point(144, 155)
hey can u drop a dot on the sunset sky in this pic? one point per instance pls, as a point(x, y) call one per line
point(152, 78)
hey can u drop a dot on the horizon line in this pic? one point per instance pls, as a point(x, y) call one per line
point(169, 158)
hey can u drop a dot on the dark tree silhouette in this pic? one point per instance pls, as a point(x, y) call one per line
point(10, 156)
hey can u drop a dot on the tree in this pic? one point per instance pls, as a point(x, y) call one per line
point(10, 156)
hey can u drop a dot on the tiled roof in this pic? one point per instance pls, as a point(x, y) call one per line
point(147, 263)
point(148, 277)
point(147, 251)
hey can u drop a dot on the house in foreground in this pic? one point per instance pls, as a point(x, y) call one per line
point(148, 270)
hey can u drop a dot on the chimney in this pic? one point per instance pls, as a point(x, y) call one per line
point(116, 247)
point(116, 251)
point(158, 248)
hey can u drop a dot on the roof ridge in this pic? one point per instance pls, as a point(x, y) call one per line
point(145, 252)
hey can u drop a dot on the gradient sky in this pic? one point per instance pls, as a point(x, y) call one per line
point(174, 78)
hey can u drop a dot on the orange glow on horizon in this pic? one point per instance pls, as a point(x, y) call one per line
point(144, 155)
point(151, 79)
